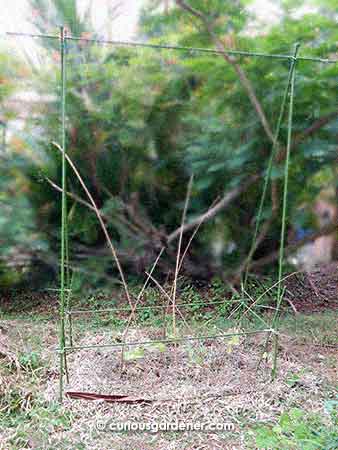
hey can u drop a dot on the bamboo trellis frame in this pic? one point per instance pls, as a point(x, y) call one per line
point(65, 312)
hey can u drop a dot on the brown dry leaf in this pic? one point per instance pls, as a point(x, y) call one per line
point(107, 398)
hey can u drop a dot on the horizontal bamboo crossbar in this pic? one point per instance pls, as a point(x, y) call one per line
point(211, 51)
point(165, 341)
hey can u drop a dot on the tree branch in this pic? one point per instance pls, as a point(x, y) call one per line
point(260, 112)
point(221, 205)
point(272, 257)
point(317, 125)
point(231, 60)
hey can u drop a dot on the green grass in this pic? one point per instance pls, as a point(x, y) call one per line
point(27, 418)
point(316, 328)
point(32, 424)
point(297, 429)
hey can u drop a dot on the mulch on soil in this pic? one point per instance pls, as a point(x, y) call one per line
point(194, 382)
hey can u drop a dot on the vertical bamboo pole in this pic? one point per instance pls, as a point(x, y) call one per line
point(280, 292)
point(69, 317)
point(63, 214)
point(275, 147)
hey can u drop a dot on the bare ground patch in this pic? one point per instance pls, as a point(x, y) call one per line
point(314, 291)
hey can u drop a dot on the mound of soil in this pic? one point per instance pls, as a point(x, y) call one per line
point(314, 291)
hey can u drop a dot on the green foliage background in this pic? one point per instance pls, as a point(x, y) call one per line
point(141, 121)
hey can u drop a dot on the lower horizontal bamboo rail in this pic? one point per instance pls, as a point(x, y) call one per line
point(164, 341)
